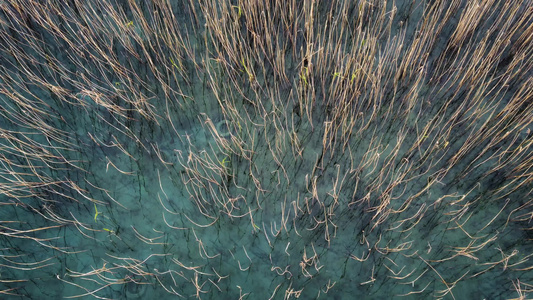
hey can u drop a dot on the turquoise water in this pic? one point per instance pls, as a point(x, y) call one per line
point(226, 150)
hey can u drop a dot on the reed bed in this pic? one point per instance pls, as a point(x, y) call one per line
point(266, 149)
